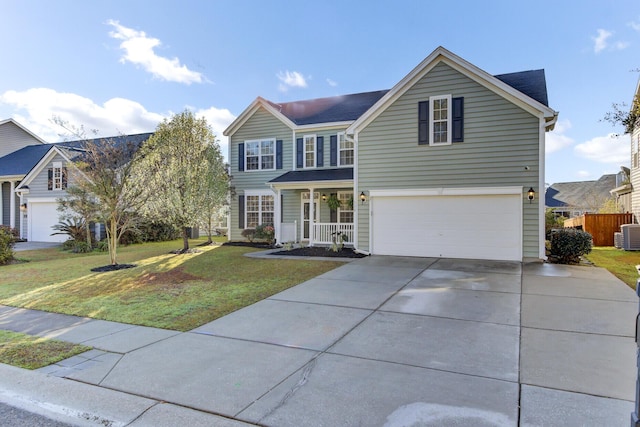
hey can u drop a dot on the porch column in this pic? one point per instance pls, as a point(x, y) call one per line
point(12, 204)
point(311, 216)
point(278, 217)
point(23, 223)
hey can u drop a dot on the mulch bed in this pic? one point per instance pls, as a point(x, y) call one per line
point(106, 268)
point(317, 251)
point(259, 245)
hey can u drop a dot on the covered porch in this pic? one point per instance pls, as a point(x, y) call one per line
point(314, 207)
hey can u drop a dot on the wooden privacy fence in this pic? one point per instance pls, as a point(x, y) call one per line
point(600, 226)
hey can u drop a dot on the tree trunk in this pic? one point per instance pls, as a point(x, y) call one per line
point(114, 242)
point(87, 225)
point(185, 239)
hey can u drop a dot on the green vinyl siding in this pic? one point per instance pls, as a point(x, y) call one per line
point(500, 139)
point(261, 125)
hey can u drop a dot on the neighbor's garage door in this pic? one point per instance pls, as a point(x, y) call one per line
point(469, 226)
point(42, 217)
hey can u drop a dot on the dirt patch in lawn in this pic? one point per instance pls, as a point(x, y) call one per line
point(168, 279)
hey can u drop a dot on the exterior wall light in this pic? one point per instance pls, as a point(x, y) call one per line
point(23, 207)
point(531, 194)
point(324, 197)
point(363, 198)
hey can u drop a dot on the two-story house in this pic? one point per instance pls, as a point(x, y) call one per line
point(447, 163)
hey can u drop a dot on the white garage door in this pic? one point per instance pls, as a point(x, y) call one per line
point(42, 217)
point(456, 226)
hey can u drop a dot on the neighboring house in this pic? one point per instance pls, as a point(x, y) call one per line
point(571, 199)
point(13, 137)
point(439, 166)
point(623, 190)
point(635, 163)
point(38, 176)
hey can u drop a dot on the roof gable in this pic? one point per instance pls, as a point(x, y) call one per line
point(24, 129)
point(258, 103)
point(492, 83)
point(39, 167)
point(580, 194)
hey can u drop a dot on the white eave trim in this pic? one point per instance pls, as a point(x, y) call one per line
point(324, 126)
point(441, 54)
point(250, 111)
point(451, 191)
point(11, 178)
point(41, 164)
point(301, 185)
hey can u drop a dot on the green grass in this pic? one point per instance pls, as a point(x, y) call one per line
point(621, 264)
point(30, 352)
point(178, 292)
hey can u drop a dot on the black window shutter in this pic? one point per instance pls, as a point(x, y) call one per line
point(333, 147)
point(320, 151)
point(423, 122)
point(50, 177)
point(241, 157)
point(299, 153)
point(64, 178)
point(279, 154)
point(457, 124)
point(240, 211)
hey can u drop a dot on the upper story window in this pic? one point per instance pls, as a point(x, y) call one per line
point(57, 177)
point(441, 120)
point(260, 154)
point(345, 148)
point(309, 151)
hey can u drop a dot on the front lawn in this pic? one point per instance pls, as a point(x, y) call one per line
point(619, 262)
point(178, 292)
point(30, 352)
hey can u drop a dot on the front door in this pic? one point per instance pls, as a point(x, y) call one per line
point(306, 213)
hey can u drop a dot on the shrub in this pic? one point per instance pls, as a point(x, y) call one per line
point(568, 245)
point(12, 231)
point(7, 241)
point(249, 234)
point(265, 232)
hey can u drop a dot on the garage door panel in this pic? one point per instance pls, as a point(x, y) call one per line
point(42, 217)
point(484, 227)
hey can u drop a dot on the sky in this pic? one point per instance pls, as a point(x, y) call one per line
point(123, 66)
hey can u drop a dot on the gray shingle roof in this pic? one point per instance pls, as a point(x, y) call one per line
point(326, 110)
point(532, 83)
point(20, 162)
point(579, 194)
point(350, 107)
point(339, 174)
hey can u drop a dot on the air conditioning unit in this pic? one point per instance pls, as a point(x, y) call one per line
point(630, 237)
point(618, 240)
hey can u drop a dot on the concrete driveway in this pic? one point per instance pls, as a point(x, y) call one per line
point(386, 341)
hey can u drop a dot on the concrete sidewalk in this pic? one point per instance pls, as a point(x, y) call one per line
point(380, 341)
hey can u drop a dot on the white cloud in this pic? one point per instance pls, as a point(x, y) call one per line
point(139, 50)
point(290, 79)
point(115, 116)
point(583, 174)
point(332, 83)
point(606, 149)
point(601, 42)
point(635, 25)
point(219, 119)
point(557, 140)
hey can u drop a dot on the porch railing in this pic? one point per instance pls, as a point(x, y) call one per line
point(323, 233)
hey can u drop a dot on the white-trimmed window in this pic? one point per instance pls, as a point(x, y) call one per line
point(345, 211)
point(440, 120)
point(57, 177)
point(309, 151)
point(260, 154)
point(345, 150)
point(259, 208)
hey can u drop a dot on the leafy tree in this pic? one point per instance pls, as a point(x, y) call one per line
point(185, 163)
point(215, 182)
point(106, 171)
point(629, 118)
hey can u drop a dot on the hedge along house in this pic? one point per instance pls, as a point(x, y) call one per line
point(439, 166)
